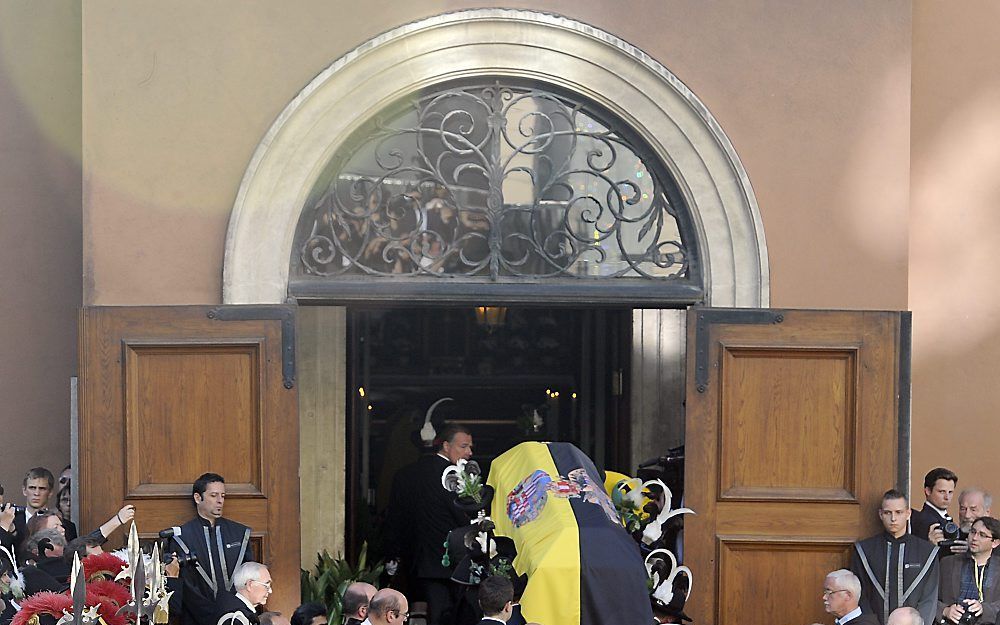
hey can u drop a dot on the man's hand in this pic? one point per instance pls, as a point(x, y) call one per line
point(7, 516)
point(953, 612)
point(973, 606)
point(960, 546)
point(172, 568)
point(935, 534)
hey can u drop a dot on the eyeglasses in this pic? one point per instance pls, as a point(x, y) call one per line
point(827, 593)
point(264, 584)
point(402, 615)
point(980, 534)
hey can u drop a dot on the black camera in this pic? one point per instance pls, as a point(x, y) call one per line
point(182, 558)
point(968, 618)
point(950, 530)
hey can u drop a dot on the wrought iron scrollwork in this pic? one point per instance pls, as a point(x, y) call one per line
point(496, 181)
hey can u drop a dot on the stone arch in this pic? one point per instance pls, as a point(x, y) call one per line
point(524, 44)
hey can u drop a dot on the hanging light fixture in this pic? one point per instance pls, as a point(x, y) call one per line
point(491, 317)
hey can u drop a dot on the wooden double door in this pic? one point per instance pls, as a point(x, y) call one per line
point(796, 422)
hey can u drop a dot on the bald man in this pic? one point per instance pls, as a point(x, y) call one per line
point(388, 607)
point(905, 616)
point(356, 598)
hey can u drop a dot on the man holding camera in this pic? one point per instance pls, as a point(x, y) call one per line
point(218, 546)
point(896, 569)
point(932, 522)
point(970, 583)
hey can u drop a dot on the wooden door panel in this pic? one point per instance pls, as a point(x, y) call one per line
point(791, 439)
point(770, 396)
point(168, 393)
point(754, 572)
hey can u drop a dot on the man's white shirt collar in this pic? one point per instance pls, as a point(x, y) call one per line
point(252, 607)
point(850, 616)
point(942, 513)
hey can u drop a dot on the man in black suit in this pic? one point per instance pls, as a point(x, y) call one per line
point(252, 582)
point(434, 515)
point(929, 521)
point(971, 581)
point(496, 599)
point(220, 544)
point(841, 597)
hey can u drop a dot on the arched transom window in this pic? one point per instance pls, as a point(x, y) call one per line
point(488, 188)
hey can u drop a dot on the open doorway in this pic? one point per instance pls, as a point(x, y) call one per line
point(513, 375)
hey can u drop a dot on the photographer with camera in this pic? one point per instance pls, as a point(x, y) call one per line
point(932, 522)
point(970, 583)
point(209, 549)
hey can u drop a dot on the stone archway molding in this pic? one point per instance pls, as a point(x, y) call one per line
point(523, 44)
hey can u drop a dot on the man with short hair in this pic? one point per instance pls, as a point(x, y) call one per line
point(252, 582)
point(971, 582)
point(312, 613)
point(496, 600)
point(434, 514)
point(220, 544)
point(905, 616)
point(37, 488)
point(928, 522)
point(388, 607)
point(355, 602)
point(841, 594)
point(896, 569)
point(973, 503)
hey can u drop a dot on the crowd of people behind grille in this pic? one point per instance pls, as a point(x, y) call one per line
point(924, 568)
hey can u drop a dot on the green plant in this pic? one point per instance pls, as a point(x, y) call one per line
point(471, 486)
point(327, 583)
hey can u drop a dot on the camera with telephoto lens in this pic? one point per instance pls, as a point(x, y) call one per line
point(968, 618)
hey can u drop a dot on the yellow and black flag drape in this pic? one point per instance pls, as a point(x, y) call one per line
point(582, 566)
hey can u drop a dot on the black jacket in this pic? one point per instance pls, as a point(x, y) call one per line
point(227, 605)
point(922, 519)
point(878, 564)
point(211, 576)
point(434, 515)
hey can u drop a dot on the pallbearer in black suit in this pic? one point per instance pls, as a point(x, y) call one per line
point(252, 582)
point(220, 545)
point(434, 515)
point(496, 599)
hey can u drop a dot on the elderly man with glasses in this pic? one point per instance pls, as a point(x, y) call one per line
point(971, 581)
point(841, 594)
point(252, 582)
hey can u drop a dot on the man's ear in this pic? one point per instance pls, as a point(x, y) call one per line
point(363, 610)
point(197, 498)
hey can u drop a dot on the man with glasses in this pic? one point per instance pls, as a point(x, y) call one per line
point(971, 581)
point(841, 594)
point(252, 582)
point(896, 569)
point(388, 607)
